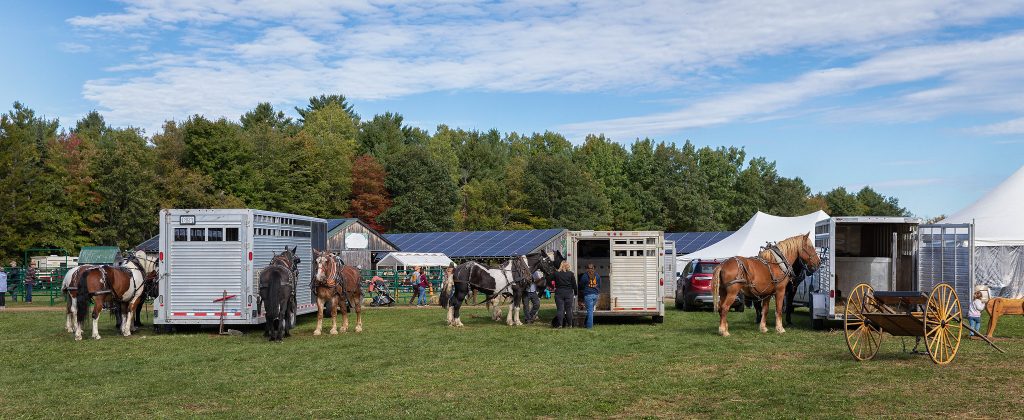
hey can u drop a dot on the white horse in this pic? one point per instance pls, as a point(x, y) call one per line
point(71, 309)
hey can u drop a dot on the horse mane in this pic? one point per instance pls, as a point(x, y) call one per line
point(790, 247)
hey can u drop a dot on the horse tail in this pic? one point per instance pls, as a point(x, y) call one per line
point(446, 290)
point(82, 299)
point(716, 277)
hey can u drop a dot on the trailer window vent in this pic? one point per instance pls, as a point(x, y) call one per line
point(198, 235)
point(180, 234)
point(215, 235)
point(231, 235)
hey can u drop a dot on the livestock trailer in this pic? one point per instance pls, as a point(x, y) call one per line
point(205, 253)
point(631, 265)
point(890, 254)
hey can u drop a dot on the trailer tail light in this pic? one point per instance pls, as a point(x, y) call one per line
point(250, 255)
point(161, 255)
point(831, 294)
point(661, 282)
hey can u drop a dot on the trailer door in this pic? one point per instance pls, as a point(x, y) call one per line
point(818, 289)
point(634, 263)
point(205, 258)
point(945, 254)
point(669, 289)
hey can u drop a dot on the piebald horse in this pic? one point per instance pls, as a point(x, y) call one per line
point(761, 277)
point(339, 286)
point(505, 284)
point(124, 286)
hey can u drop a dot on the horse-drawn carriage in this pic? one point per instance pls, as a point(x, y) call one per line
point(936, 317)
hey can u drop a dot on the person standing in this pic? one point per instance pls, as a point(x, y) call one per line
point(3, 289)
point(30, 281)
point(565, 290)
point(590, 289)
point(974, 313)
point(424, 284)
point(531, 302)
point(414, 281)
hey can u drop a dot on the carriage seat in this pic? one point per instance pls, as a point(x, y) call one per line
point(909, 296)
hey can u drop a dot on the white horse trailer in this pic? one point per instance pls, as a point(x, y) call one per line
point(631, 266)
point(205, 253)
point(890, 254)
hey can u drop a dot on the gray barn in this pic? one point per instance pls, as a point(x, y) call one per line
point(358, 244)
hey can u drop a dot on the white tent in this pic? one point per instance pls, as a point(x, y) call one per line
point(998, 219)
point(413, 259)
point(761, 228)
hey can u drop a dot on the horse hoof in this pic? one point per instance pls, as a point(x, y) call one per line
point(78, 338)
point(359, 329)
point(316, 332)
point(780, 330)
point(334, 332)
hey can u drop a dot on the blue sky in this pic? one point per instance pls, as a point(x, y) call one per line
point(919, 99)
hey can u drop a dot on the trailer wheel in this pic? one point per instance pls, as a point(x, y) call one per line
point(658, 319)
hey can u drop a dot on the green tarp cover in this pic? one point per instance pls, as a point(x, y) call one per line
point(98, 255)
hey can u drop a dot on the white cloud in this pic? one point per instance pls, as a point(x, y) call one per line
point(74, 47)
point(963, 68)
point(1014, 126)
point(231, 54)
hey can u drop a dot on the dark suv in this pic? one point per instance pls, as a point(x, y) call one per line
point(693, 288)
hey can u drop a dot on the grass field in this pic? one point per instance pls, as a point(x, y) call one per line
point(408, 364)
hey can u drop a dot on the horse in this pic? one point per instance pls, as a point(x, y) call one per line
point(997, 307)
point(505, 283)
point(340, 287)
point(106, 285)
point(69, 288)
point(761, 277)
point(277, 293)
point(799, 275)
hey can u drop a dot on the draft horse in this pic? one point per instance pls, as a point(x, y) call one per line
point(507, 283)
point(762, 277)
point(799, 275)
point(337, 285)
point(277, 294)
point(108, 286)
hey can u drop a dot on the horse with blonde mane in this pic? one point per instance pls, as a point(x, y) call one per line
point(762, 277)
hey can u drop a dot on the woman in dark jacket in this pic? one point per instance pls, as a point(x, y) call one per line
point(565, 290)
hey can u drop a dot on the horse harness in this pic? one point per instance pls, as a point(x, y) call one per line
point(780, 261)
point(524, 274)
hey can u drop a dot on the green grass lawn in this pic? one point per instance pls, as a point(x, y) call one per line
point(408, 364)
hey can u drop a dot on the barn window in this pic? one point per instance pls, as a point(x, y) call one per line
point(231, 234)
point(180, 234)
point(215, 234)
point(198, 235)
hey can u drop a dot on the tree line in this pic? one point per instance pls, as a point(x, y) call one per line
point(93, 184)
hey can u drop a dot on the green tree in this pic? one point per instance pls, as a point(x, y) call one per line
point(880, 205)
point(424, 195)
point(264, 114)
point(322, 101)
point(329, 160)
point(842, 203)
point(126, 186)
point(606, 161)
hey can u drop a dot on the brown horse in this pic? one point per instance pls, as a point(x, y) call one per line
point(761, 277)
point(339, 285)
point(997, 307)
point(106, 285)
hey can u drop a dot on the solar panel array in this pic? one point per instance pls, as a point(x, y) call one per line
point(688, 242)
point(479, 244)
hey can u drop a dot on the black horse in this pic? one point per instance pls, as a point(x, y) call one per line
point(800, 273)
point(508, 281)
point(277, 293)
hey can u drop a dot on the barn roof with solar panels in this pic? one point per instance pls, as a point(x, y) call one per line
point(689, 242)
point(478, 244)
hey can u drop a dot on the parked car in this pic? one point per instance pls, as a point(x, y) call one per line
point(693, 287)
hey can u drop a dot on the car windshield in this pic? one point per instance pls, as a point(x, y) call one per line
point(705, 268)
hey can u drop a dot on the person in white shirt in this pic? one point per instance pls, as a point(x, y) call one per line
point(974, 312)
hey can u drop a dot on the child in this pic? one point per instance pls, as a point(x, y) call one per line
point(974, 312)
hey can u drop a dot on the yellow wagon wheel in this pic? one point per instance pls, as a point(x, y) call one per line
point(943, 324)
point(862, 337)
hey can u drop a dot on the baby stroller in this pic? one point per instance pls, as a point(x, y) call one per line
point(381, 293)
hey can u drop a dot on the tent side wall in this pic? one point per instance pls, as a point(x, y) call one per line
point(1001, 268)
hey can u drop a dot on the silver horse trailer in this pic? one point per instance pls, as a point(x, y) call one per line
point(205, 253)
point(890, 254)
point(631, 266)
